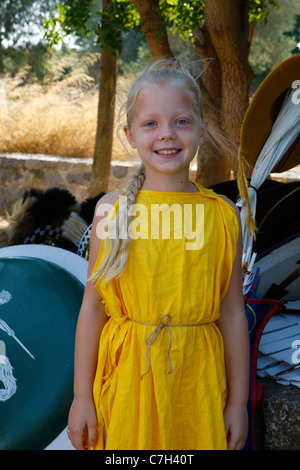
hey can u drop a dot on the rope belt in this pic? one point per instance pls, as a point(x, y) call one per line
point(164, 323)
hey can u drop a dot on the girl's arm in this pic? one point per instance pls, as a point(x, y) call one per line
point(234, 329)
point(82, 421)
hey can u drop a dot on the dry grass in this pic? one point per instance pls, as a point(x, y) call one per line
point(58, 118)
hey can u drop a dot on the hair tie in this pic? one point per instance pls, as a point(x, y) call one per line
point(250, 186)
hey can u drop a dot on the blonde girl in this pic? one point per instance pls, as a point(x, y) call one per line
point(162, 354)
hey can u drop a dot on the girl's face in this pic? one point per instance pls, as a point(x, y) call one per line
point(165, 129)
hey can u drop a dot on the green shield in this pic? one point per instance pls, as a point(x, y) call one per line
point(40, 304)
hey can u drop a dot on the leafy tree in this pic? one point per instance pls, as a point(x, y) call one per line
point(19, 17)
point(275, 41)
point(34, 56)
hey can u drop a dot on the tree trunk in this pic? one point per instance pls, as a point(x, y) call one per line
point(155, 32)
point(105, 124)
point(211, 167)
point(226, 83)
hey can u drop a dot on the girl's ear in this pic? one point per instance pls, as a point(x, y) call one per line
point(203, 133)
point(129, 137)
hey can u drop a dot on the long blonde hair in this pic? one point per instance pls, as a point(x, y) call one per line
point(163, 71)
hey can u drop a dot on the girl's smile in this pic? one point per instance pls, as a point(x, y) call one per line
point(167, 153)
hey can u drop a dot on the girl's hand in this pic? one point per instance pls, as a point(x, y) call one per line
point(236, 426)
point(82, 425)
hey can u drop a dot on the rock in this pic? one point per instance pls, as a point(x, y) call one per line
point(279, 427)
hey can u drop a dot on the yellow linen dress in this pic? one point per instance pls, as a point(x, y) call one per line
point(165, 387)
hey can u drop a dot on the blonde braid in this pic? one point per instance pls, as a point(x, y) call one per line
point(116, 247)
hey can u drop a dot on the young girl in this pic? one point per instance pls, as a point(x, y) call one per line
point(171, 368)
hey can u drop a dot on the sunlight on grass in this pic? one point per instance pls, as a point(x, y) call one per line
point(59, 118)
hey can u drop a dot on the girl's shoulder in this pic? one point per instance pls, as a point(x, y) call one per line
point(103, 210)
point(229, 209)
point(110, 197)
point(210, 193)
point(232, 205)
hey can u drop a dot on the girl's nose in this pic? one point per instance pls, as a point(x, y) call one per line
point(167, 132)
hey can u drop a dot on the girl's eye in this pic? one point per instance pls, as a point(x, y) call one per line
point(150, 124)
point(182, 122)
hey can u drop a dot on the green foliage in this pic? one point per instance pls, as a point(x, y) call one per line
point(258, 9)
point(33, 56)
point(112, 22)
point(125, 18)
point(182, 16)
point(134, 52)
point(69, 18)
point(120, 17)
point(185, 16)
point(19, 20)
point(296, 34)
point(275, 41)
point(17, 16)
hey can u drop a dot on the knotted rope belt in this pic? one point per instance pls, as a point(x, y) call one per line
point(164, 323)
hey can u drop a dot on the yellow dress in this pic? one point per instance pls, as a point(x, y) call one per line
point(164, 387)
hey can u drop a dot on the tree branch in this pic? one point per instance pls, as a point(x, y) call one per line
point(154, 29)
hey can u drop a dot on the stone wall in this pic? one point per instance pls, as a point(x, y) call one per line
point(21, 172)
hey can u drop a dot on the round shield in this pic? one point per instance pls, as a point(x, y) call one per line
point(39, 306)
